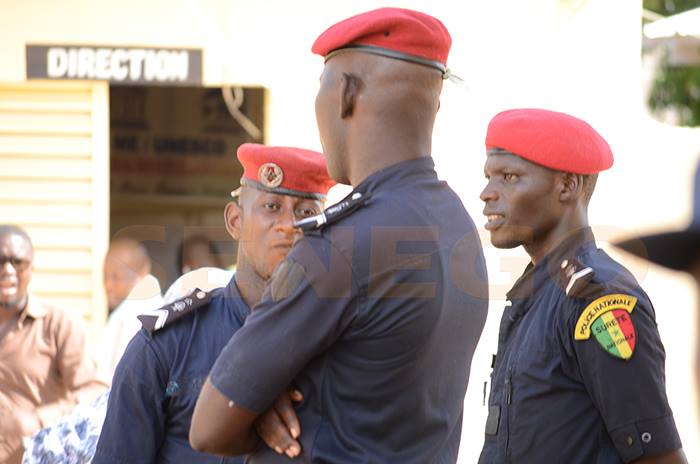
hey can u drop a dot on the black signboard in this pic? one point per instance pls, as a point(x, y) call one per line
point(119, 65)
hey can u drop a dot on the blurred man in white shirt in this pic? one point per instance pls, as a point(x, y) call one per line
point(131, 290)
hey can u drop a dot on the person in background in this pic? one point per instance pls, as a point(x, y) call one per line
point(45, 366)
point(126, 263)
point(73, 439)
point(198, 251)
point(131, 290)
point(157, 382)
point(675, 249)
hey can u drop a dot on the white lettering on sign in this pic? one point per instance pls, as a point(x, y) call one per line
point(117, 64)
point(180, 64)
point(103, 63)
point(57, 62)
point(136, 59)
point(72, 62)
point(86, 63)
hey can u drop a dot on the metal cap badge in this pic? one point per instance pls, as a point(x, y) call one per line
point(270, 175)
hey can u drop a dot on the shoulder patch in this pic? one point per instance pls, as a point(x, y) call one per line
point(159, 318)
point(336, 212)
point(608, 318)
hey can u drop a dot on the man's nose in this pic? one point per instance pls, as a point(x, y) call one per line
point(6, 267)
point(489, 193)
point(285, 223)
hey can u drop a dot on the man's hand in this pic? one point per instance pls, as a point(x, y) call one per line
point(279, 427)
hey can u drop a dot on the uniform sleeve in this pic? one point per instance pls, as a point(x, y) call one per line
point(309, 302)
point(621, 364)
point(134, 427)
point(77, 369)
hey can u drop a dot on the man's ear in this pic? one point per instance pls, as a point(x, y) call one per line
point(571, 188)
point(350, 86)
point(232, 219)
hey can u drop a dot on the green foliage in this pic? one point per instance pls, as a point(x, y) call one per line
point(675, 88)
point(670, 7)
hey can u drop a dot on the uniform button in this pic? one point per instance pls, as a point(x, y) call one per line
point(646, 437)
point(630, 441)
point(200, 295)
point(564, 263)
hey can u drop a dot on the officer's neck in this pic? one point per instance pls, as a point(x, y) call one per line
point(250, 284)
point(569, 223)
point(378, 146)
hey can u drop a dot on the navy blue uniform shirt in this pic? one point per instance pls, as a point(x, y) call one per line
point(157, 382)
point(556, 398)
point(375, 318)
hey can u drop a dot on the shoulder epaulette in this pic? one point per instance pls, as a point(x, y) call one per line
point(159, 318)
point(574, 277)
point(334, 213)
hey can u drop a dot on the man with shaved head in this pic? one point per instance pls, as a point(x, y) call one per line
point(45, 369)
point(375, 313)
point(126, 263)
point(131, 290)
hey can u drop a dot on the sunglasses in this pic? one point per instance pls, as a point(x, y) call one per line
point(18, 263)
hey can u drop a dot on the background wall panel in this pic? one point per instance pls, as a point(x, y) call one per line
point(54, 182)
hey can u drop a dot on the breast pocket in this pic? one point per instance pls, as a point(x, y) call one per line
point(533, 375)
point(181, 395)
point(533, 365)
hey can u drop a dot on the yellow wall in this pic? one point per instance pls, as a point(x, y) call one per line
point(54, 183)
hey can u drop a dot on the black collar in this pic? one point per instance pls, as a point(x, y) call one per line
point(576, 243)
point(397, 175)
point(234, 301)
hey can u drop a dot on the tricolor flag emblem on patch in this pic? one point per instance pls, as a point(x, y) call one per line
point(608, 318)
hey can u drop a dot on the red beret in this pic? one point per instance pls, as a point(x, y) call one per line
point(394, 32)
point(285, 170)
point(553, 140)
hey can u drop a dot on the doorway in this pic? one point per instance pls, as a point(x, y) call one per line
point(173, 165)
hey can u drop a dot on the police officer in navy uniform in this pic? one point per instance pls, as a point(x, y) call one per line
point(376, 312)
point(158, 380)
point(579, 373)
